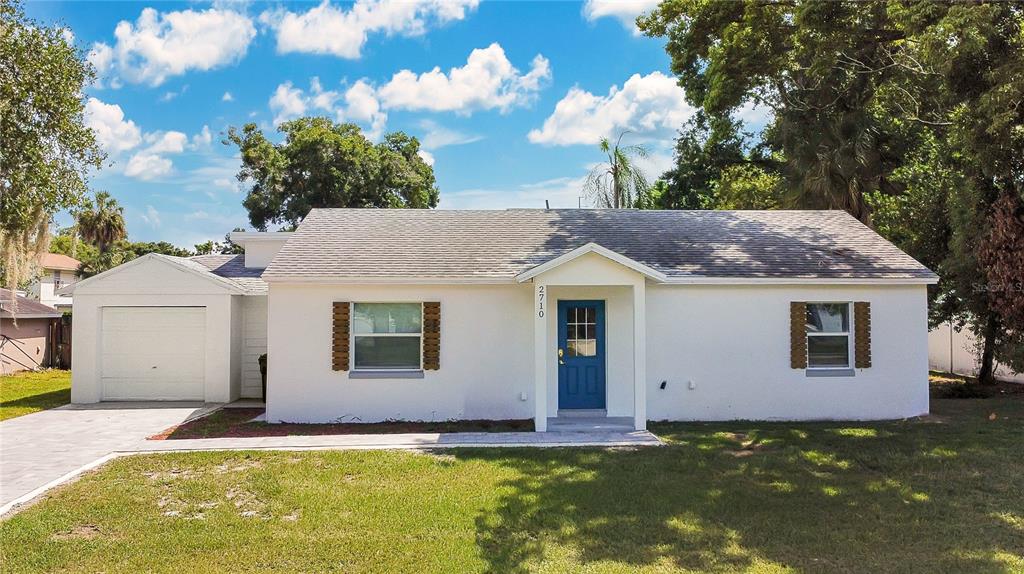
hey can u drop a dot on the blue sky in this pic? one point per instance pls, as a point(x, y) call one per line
point(508, 98)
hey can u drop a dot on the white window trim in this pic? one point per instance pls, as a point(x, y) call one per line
point(848, 333)
point(353, 335)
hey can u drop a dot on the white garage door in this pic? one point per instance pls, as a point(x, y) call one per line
point(153, 353)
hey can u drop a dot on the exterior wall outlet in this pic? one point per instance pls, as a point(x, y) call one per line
point(692, 385)
point(522, 396)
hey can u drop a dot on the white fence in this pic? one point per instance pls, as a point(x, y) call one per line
point(957, 352)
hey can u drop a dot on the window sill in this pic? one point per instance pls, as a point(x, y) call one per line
point(385, 374)
point(830, 372)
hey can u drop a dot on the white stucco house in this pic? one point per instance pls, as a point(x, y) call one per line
point(56, 271)
point(371, 315)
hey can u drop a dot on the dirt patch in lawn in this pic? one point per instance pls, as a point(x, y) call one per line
point(80, 532)
point(238, 423)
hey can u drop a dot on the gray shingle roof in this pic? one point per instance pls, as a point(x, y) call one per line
point(500, 244)
point(26, 307)
point(232, 267)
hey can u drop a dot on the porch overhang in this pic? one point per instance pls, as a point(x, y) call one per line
point(645, 270)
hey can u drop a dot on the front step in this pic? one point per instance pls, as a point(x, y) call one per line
point(590, 424)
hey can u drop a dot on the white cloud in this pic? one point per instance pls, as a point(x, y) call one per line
point(203, 138)
point(113, 132)
point(651, 107)
point(151, 217)
point(487, 81)
point(363, 107)
point(227, 97)
point(166, 142)
point(436, 136)
point(328, 29)
point(147, 166)
point(118, 135)
point(287, 103)
point(427, 157)
point(625, 11)
point(161, 45)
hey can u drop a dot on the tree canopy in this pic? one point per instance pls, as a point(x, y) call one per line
point(908, 115)
point(46, 151)
point(325, 164)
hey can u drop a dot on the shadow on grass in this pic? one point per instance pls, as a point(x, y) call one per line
point(41, 401)
point(909, 496)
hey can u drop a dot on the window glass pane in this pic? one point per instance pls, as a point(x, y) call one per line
point(570, 347)
point(828, 351)
point(591, 331)
point(828, 317)
point(586, 347)
point(387, 318)
point(387, 352)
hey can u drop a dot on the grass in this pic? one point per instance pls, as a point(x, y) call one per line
point(27, 392)
point(941, 494)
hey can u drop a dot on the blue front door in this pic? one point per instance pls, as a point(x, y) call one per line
point(581, 355)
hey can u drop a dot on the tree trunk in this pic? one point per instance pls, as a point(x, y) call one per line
point(986, 375)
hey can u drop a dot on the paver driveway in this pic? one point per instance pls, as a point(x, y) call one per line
point(41, 447)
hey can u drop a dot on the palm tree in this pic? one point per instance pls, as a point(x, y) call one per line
point(618, 182)
point(102, 223)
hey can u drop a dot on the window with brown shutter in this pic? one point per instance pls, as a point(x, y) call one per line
point(431, 336)
point(862, 334)
point(798, 335)
point(340, 341)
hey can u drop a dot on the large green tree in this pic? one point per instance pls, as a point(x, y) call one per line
point(325, 164)
point(908, 115)
point(819, 66)
point(46, 151)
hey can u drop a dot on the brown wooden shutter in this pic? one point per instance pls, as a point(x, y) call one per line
point(431, 336)
point(862, 334)
point(798, 335)
point(340, 341)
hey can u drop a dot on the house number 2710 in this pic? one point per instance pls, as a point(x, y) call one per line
point(540, 301)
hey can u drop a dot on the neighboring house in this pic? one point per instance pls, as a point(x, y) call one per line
point(56, 271)
point(25, 344)
point(957, 351)
point(374, 314)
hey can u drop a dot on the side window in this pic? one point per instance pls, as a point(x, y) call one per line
point(828, 335)
point(387, 335)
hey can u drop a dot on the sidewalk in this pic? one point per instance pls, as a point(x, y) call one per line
point(408, 441)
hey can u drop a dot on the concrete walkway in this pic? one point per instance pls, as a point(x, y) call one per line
point(409, 441)
point(42, 450)
point(43, 447)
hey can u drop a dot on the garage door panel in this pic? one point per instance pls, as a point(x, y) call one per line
point(153, 353)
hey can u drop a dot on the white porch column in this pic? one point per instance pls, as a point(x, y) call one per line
point(540, 352)
point(640, 355)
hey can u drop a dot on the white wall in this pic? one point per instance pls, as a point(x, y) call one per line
point(733, 343)
point(486, 356)
point(954, 351)
point(147, 283)
point(253, 344)
point(259, 254)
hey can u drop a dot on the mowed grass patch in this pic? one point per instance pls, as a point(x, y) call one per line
point(941, 494)
point(28, 392)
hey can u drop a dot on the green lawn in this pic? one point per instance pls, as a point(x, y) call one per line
point(939, 495)
point(27, 392)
